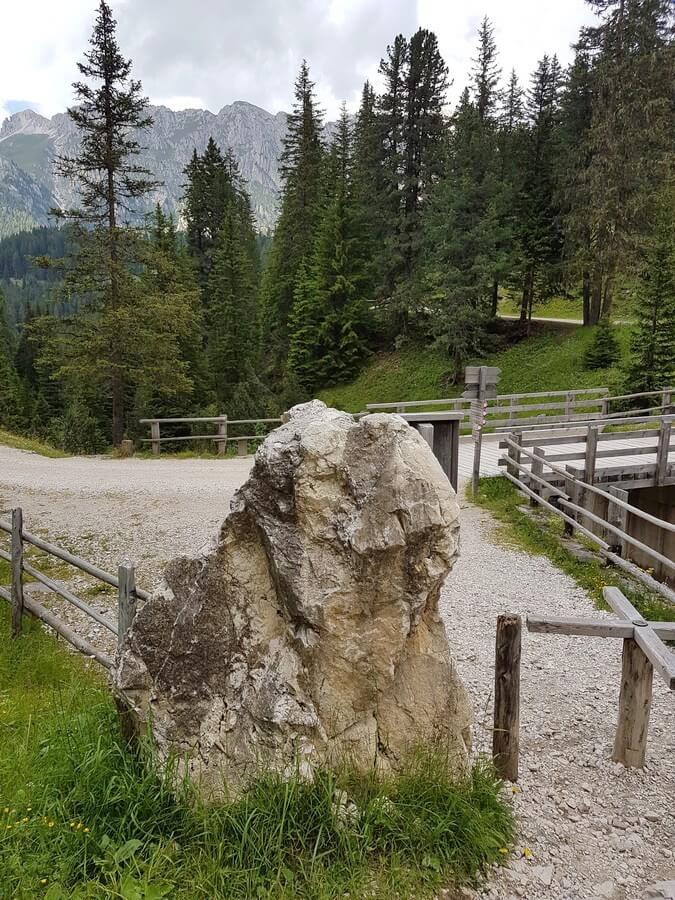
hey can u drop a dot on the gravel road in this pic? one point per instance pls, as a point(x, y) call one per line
point(593, 828)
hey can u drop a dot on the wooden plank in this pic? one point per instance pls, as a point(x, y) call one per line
point(506, 733)
point(177, 421)
point(602, 628)
point(635, 701)
point(656, 586)
point(17, 571)
point(617, 515)
point(427, 432)
point(657, 653)
point(221, 440)
point(61, 591)
point(537, 471)
point(628, 435)
point(40, 612)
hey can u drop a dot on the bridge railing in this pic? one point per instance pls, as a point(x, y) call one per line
point(577, 406)
point(565, 492)
point(22, 604)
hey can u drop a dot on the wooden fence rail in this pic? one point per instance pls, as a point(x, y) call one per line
point(643, 654)
point(125, 582)
point(568, 405)
point(533, 481)
point(220, 437)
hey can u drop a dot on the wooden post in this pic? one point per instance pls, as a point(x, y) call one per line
point(537, 468)
point(604, 410)
point(506, 734)
point(514, 454)
point(591, 451)
point(477, 450)
point(574, 493)
point(662, 449)
point(242, 447)
point(126, 603)
point(617, 516)
point(569, 400)
point(221, 443)
point(154, 434)
point(635, 701)
point(17, 570)
point(666, 403)
point(426, 429)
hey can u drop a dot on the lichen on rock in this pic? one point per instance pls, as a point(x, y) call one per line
point(309, 632)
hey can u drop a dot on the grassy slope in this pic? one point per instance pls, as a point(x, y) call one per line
point(552, 359)
point(81, 816)
point(25, 443)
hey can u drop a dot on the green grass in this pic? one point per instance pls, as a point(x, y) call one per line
point(24, 443)
point(551, 359)
point(543, 538)
point(82, 816)
point(570, 307)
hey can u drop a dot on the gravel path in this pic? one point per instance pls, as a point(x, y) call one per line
point(593, 828)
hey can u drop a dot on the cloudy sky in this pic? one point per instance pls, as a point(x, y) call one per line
point(207, 53)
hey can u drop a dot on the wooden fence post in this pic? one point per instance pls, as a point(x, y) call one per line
point(514, 454)
point(635, 701)
point(221, 443)
point(662, 448)
point(604, 409)
point(242, 447)
point(506, 734)
point(126, 605)
point(591, 451)
point(537, 468)
point(154, 434)
point(569, 400)
point(574, 493)
point(617, 516)
point(666, 403)
point(17, 570)
point(427, 432)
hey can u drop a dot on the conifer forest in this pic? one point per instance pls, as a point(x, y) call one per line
point(404, 222)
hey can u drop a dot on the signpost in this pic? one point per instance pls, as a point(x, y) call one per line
point(480, 385)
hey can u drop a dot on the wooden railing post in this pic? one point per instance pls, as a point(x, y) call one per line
point(537, 468)
point(666, 402)
point(663, 446)
point(17, 570)
point(635, 702)
point(126, 603)
point(617, 516)
point(506, 734)
point(591, 452)
point(569, 400)
point(514, 454)
point(222, 436)
point(154, 434)
point(604, 410)
point(574, 493)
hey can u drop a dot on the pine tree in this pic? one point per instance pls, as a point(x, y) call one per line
point(11, 408)
point(628, 144)
point(231, 317)
point(110, 109)
point(486, 74)
point(603, 351)
point(539, 225)
point(414, 132)
point(652, 364)
point(302, 173)
point(305, 330)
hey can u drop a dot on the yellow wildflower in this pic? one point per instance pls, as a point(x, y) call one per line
point(515, 789)
point(25, 819)
point(527, 853)
point(503, 850)
point(50, 824)
point(6, 809)
point(86, 831)
point(43, 881)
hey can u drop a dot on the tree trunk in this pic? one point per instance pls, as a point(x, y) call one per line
point(117, 391)
point(596, 298)
point(495, 298)
point(586, 295)
point(525, 301)
point(608, 295)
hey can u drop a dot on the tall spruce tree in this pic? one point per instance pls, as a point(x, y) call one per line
point(540, 226)
point(414, 131)
point(302, 174)
point(652, 364)
point(629, 142)
point(110, 109)
point(11, 412)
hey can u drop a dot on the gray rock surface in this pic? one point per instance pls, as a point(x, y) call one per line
point(310, 630)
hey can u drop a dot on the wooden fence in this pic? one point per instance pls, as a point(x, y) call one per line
point(565, 494)
point(644, 652)
point(566, 408)
point(221, 436)
point(22, 604)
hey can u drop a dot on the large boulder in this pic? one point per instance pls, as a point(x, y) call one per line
point(309, 631)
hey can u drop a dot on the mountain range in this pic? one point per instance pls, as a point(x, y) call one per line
point(29, 142)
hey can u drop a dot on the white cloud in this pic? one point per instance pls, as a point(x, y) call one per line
point(211, 52)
